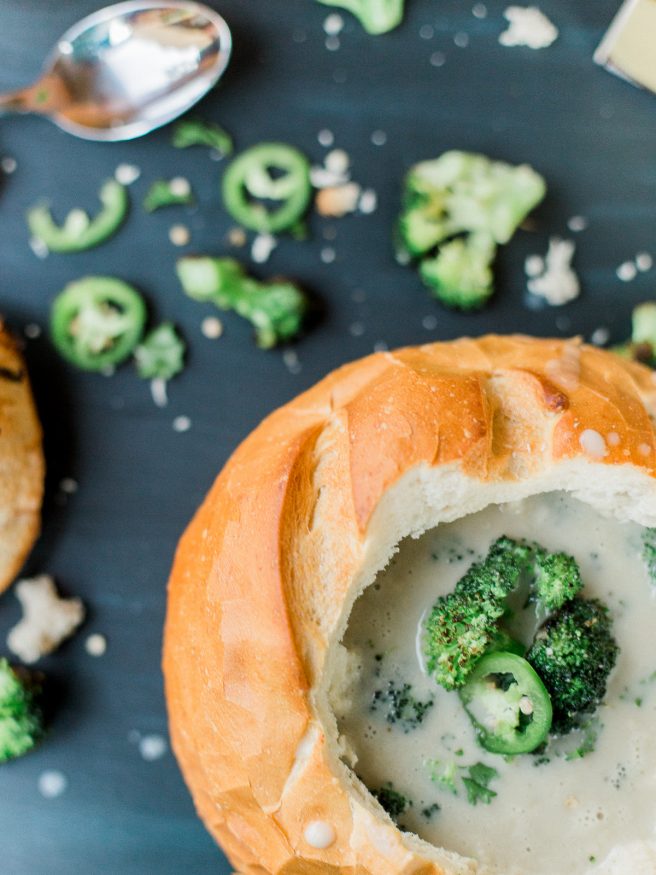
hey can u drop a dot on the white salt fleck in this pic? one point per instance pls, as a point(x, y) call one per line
point(179, 235)
point(328, 255)
point(237, 237)
point(534, 265)
point(577, 224)
point(159, 392)
point(600, 336)
point(368, 201)
point(326, 138)
point(262, 247)
point(426, 31)
point(8, 165)
point(68, 485)
point(38, 247)
point(379, 138)
point(96, 645)
point(479, 10)
point(429, 323)
point(627, 271)
point(32, 331)
point(52, 784)
point(211, 327)
point(356, 329)
point(338, 162)
point(644, 262)
point(291, 361)
point(332, 43)
point(438, 59)
point(126, 174)
point(644, 449)
point(593, 443)
point(180, 186)
point(152, 747)
point(380, 346)
point(613, 438)
point(461, 39)
point(181, 424)
point(333, 24)
point(402, 257)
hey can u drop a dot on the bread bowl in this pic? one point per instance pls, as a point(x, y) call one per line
point(21, 462)
point(306, 514)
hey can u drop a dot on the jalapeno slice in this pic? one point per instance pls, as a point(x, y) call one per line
point(97, 322)
point(79, 232)
point(271, 172)
point(508, 704)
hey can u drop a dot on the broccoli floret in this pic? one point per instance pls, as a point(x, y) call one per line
point(276, 309)
point(649, 552)
point(460, 275)
point(160, 355)
point(21, 724)
point(392, 801)
point(376, 16)
point(461, 193)
point(401, 706)
point(557, 579)
point(574, 653)
point(463, 624)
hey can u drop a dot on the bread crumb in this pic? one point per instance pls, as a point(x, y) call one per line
point(338, 201)
point(32, 331)
point(180, 186)
point(96, 645)
point(68, 485)
point(600, 336)
point(47, 619)
point(179, 235)
point(237, 237)
point(211, 327)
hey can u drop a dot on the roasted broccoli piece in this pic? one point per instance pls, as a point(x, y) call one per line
point(401, 706)
point(574, 653)
point(21, 725)
point(557, 579)
point(376, 16)
point(461, 193)
point(463, 624)
point(276, 309)
point(460, 275)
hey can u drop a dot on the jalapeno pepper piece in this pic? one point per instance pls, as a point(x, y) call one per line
point(97, 322)
point(250, 179)
point(508, 704)
point(79, 232)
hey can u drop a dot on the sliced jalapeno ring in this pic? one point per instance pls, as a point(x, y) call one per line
point(272, 172)
point(79, 232)
point(508, 704)
point(97, 322)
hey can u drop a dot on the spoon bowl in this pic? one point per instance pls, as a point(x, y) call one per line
point(128, 69)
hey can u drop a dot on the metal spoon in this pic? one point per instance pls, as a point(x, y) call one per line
point(128, 69)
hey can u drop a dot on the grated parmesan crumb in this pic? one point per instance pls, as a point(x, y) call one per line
point(181, 424)
point(528, 26)
point(152, 747)
point(262, 247)
point(47, 619)
point(126, 174)
point(627, 271)
point(52, 784)
point(96, 645)
point(338, 201)
point(333, 24)
point(211, 327)
point(558, 283)
point(179, 235)
point(8, 165)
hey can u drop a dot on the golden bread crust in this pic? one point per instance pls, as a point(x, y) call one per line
point(21, 462)
point(249, 618)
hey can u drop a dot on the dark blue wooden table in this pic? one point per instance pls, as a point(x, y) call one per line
point(111, 543)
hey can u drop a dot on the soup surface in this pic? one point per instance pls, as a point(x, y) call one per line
point(560, 812)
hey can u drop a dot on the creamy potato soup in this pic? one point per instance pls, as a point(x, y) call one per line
point(556, 812)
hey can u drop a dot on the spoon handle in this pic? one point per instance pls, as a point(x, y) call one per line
point(44, 97)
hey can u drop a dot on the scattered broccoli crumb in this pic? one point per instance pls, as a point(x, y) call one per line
point(392, 801)
point(168, 193)
point(649, 552)
point(161, 353)
point(478, 784)
point(276, 309)
point(195, 132)
point(590, 734)
point(430, 811)
point(400, 706)
point(21, 724)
